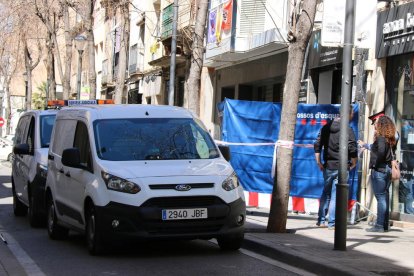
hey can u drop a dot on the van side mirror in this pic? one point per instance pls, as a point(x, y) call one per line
point(21, 149)
point(71, 158)
point(225, 151)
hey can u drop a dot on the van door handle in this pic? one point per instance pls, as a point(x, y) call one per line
point(51, 157)
point(67, 174)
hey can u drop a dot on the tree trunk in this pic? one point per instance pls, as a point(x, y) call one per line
point(91, 49)
point(280, 196)
point(68, 51)
point(51, 28)
point(8, 107)
point(29, 66)
point(28, 80)
point(193, 81)
point(51, 82)
point(120, 93)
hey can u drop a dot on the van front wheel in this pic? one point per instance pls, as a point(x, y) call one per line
point(35, 218)
point(55, 231)
point(19, 209)
point(93, 234)
point(228, 243)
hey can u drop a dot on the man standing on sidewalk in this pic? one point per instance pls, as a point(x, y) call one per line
point(328, 141)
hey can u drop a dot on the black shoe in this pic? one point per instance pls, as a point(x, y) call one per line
point(375, 229)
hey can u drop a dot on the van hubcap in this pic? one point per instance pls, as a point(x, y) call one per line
point(91, 229)
point(51, 217)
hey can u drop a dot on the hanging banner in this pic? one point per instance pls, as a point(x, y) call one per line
point(220, 22)
point(227, 16)
point(254, 126)
point(212, 27)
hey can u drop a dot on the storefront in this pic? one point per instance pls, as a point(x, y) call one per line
point(395, 44)
point(325, 71)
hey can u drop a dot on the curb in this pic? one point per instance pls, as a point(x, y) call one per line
point(296, 258)
point(8, 262)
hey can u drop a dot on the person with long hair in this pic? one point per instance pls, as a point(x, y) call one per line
point(382, 153)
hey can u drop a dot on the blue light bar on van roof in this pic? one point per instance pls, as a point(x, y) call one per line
point(61, 103)
point(81, 102)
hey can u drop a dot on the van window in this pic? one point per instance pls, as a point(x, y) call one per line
point(82, 143)
point(30, 135)
point(152, 139)
point(20, 129)
point(63, 135)
point(46, 126)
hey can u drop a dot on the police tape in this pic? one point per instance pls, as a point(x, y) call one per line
point(277, 144)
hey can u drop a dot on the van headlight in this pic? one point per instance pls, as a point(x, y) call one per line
point(119, 184)
point(230, 183)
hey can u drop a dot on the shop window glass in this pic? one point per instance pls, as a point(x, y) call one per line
point(245, 92)
point(227, 92)
point(400, 97)
point(278, 93)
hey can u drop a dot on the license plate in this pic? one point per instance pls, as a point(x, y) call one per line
point(175, 214)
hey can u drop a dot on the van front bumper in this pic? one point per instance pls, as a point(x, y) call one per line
point(118, 220)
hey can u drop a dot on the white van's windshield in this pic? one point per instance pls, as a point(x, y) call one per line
point(152, 139)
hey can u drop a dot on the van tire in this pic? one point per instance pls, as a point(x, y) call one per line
point(19, 209)
point(230, 243)
point(55, 231)
point(93, 233)
point(35, 218)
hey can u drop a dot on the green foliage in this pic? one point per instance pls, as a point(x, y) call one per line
point(39, 97)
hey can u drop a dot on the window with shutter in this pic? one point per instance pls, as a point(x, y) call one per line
point(252, 17)
point(133, 57)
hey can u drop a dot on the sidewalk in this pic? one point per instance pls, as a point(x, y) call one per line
point(311, 248)
point(8, 262)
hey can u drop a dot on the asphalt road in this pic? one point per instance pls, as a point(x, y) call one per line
point(41, 256)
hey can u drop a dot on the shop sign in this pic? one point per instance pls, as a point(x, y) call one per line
point(395, 31)
point(319, 55)
point(333, 23)
point(303, 92)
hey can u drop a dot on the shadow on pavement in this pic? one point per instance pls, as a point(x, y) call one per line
point(312, 248)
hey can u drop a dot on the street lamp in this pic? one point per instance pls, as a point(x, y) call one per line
point(80, 42)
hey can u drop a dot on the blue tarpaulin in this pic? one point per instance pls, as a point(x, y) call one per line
point(251, 123)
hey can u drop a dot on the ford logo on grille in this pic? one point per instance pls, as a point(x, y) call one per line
point(183, 187)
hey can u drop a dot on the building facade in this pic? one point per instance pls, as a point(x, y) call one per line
point(394, 53)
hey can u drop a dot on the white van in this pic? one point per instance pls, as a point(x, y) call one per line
point(29, 165)
point(140, 171)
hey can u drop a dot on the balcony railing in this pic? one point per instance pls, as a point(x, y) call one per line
point(185, 18)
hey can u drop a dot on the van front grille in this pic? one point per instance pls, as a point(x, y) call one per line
point(183, 201)
point(172, 186)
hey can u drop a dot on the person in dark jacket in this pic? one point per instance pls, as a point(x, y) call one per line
point(382, 153)
point(328, 141)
